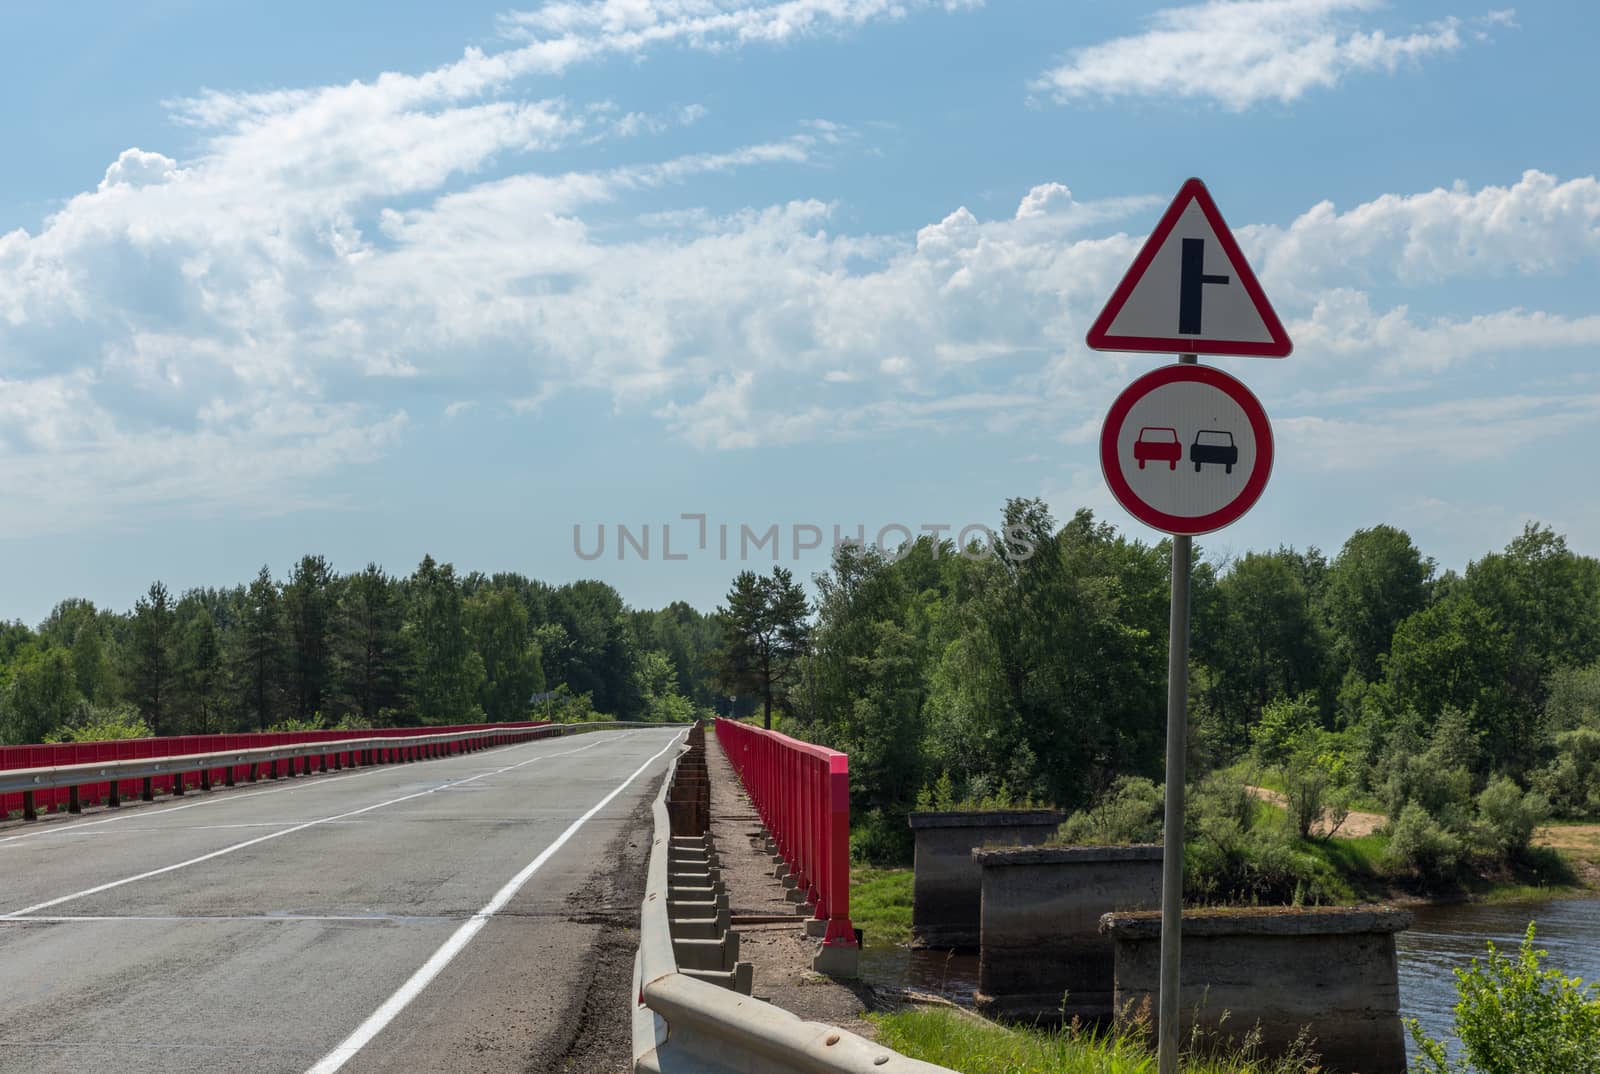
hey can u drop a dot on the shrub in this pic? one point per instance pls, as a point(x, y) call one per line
point(1572, 780)
point(294, 723)
point(1232, 854)
point(983, 795)
point(1282, 726)
point(1444, 792)
point(1507, 817)
point(880, 838)
point(1130, 812)
point(1512, 1017)
point(1305, 789)
point(103, 724)
point(1422, 846)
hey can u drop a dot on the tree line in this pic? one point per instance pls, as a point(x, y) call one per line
point(1372, 673)
point(365, 649)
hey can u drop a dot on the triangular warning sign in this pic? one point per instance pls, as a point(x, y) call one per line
point(1190, 290)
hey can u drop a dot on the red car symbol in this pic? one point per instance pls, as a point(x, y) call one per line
point(1157, 443)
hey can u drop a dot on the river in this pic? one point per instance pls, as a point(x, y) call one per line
point(1445, 938)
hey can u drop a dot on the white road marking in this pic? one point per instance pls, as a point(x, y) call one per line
point(145, 814)
point(98, 919)
point(97, 889)
point(413, 987)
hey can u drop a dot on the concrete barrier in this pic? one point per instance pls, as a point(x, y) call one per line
point(1331, 970)
point(1042, 955)
point(689, 1020)
point(947, 886)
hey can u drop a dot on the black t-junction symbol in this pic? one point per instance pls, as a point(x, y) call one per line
point(1189, 284)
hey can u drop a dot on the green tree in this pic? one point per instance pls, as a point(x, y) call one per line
point(91, 666)
point(1377, 581)
point(658, 684)
point(150, 675)
point(40, 697)
point(594, 651)
point(497, 623)
point(1456, 655)
point(1258, 633)
point(1574, 699)
point(201, 675)
point(372, 657)
point(260, 649)
point(765, 625)
point(308, 603)
point(448, 672)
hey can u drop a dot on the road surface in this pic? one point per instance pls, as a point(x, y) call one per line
point(466, 914)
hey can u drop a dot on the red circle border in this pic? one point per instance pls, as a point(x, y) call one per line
point(1190, 526)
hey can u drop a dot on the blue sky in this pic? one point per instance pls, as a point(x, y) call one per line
point(375, 281)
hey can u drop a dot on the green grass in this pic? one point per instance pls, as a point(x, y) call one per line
point(880, 904)
point(968, 1044)
point(1359, 859)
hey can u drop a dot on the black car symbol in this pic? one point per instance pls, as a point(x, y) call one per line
point(1214, 446)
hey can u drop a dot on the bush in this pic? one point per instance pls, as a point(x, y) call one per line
point(1130, 812)
point(1512, 1017)
point(982, 795)
point(1507, 817)
point(1233, 854)
point(1443, 791)
point(880, 838)
point(1572, 780)
point(294, 723)
point(103, 724)
point(1282, 727)
point(1422, 846)
point(1306, 786)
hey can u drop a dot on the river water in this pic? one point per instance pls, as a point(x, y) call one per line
point(1442, 939)
point(1445, 938)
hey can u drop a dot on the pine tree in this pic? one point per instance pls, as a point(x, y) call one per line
point(260, 649)
point(150, 678)
point(371, 658)
point(767, 634)
point(202, 674)
point(308, 614)
point(448, 672)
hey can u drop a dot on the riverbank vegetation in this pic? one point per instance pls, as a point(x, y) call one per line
point(971, 1045)
point(1464, 707)
point(880, 904)
point(367, 649)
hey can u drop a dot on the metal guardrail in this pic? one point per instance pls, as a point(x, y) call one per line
point(342, 753)
point(686, 1025)
point(802, 792)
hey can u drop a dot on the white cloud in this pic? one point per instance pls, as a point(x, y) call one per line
point(1536, 225)
point(228, 328)
point(135, 167)
point(1344, 323)
point(1457, 432)
point(586, 26)
point(1241, 53)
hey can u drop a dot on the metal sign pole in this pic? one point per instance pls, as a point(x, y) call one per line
point(1172, 835)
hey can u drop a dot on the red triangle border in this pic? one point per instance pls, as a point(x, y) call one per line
point(1099, 337)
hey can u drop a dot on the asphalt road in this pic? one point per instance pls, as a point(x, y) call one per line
point(448, 915)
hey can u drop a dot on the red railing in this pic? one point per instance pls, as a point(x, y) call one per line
point(12, 757)
point(802, 793)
